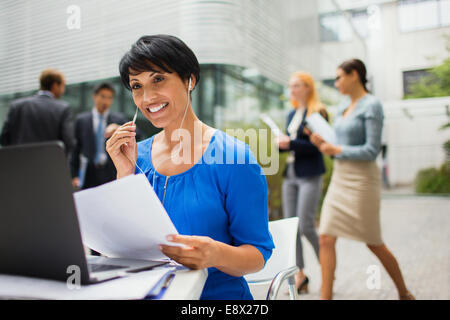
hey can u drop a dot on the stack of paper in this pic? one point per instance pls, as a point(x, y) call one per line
point(271, 124)
point(317, 124)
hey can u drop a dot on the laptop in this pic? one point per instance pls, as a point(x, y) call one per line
point(39, 229)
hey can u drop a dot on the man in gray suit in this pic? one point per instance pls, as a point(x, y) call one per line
point(41, 117)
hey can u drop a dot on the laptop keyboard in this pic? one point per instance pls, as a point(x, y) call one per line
point(94, 267)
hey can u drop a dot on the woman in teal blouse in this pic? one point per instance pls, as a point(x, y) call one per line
point(352, 204)
point(210, 183)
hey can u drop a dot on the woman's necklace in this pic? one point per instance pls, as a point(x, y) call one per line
point(167, 177)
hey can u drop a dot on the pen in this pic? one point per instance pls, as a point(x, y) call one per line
point(135, 116)
point(134, 122)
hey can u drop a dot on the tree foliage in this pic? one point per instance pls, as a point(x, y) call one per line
point(437, 83)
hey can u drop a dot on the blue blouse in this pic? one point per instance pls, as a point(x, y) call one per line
point(359, 133)
point(223, 196)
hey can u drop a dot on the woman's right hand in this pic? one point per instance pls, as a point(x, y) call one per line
point(283, 142)
point(306, 131)
point(122, 149)
point(316, 139)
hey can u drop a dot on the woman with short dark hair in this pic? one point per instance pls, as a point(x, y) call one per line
point(351, 208)
point(219, 207)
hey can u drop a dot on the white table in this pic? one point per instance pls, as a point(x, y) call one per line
point(186, 285)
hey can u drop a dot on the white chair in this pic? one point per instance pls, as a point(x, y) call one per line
point(282, 264)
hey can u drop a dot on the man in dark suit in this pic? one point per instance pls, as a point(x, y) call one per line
point(90, 164)
point(41, 117)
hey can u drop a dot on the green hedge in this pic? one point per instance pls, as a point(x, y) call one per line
point(434, 180)
point(275, 181)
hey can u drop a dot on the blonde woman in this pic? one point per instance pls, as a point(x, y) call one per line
point(302, 185)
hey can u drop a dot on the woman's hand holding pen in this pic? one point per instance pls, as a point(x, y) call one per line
point(110, 129)
point(323, 146)
point(122, 149)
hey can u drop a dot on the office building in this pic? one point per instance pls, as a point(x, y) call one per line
point(247, 50)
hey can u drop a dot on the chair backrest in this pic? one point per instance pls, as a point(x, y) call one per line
point(284, 234)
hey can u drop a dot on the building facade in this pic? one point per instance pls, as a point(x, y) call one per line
point(399, 41)
point(237, 44)
point(247, 50)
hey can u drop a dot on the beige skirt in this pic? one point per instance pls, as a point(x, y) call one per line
point(351, 207)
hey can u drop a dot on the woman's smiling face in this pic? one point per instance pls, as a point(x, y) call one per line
point(161, 96)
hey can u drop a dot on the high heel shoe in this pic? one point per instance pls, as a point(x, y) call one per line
point(303, 287)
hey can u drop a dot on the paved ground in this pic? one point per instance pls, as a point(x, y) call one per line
point(417, 231)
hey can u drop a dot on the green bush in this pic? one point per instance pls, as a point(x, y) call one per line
point(275, 186)
point(275, 181)
point(437, 83)
point(446, 147)
point(434, 180)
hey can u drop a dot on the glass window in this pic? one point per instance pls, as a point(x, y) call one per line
point(329, 82)
point(445, 12)
point(75, 97)
point(232, 96)
point(360, 21)
point(207, 95)
point(419, 14)
point(334, 27)
point(412, 77)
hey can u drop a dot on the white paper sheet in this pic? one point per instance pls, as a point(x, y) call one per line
point(317, 124)
point(272, 125)
point(124, 219)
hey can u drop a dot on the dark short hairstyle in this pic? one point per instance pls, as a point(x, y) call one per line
point(168, 53)
point(357, 65)
point(104, 85)
point(48, 77)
